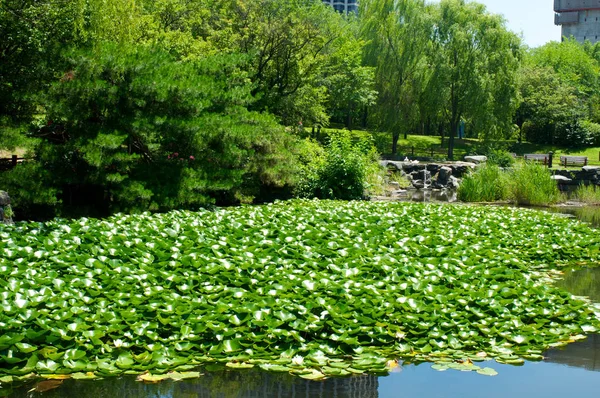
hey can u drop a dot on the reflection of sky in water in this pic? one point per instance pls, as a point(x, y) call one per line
point(531, 380)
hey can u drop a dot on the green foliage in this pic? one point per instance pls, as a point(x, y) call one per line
point(476, 60)
point(560, 88)
point(500, 157)
point(308, 287)
point(487, 184)
point(346, 171)
point(531, 185)
point(155, 133)
point(397, 33)
point(31, 192)
point(591, 132)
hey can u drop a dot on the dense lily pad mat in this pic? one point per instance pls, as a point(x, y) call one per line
point(318, 288)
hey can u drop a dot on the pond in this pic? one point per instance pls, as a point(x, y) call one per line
point(571, 370)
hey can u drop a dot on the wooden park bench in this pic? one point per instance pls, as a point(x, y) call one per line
point(573, 160)
point(537, 157)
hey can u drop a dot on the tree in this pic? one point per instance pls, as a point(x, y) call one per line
point(550, 107)
point(397, 32)
point(140, 130)
point(476, 60)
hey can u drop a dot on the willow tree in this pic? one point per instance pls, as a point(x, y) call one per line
point(398, 33)
point(476, 62)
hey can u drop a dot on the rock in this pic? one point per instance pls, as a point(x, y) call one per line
point(444, 176)
point(394, 184)
point(453, 183)
point(421, 174)
point(595, 169)
point(560, 178)
point(476, 159)
point(459, 169)
point(4, 198)
point(5, 209)
point(418, 184)
point(434, 168)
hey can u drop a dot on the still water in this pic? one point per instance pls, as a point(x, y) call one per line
point(572, 371)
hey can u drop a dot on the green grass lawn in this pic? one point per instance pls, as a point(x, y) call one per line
point(462, 147)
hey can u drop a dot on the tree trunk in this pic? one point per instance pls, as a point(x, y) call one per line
point(453, 130)
point(395, 137)
point(441, 133)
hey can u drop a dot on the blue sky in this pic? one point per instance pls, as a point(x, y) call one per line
point(534, 19)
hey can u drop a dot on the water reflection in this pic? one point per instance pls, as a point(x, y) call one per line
point(589, 214)
point(420, 195)
point(225, 384)
point(584, 354)
point(582, 282)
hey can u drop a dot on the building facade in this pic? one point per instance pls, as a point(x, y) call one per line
point(344, 6)
point(578, 18)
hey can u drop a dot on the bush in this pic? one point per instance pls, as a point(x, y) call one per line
point(592, 132)
point(346, 170)
point(31, 193)
point(531, 185)
point(487, 184)
point(500, 158)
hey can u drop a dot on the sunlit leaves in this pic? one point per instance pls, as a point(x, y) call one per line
point(329, 289)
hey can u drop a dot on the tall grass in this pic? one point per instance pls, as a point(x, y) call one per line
point(526, 184)
point(589, 194)
point(530, 184)
point(487, 184)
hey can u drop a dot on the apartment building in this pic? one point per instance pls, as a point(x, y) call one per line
point(344, 6)
point(578, 18)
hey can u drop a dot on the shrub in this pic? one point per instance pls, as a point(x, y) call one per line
point(592, 131)
point(530, 184)
point(346, 170)
point(31, 193)
point(487, 184)
point(500, 158)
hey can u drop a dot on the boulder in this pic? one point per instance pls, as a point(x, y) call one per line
point(560, 178)
point(5, 209)
point(476, 159)
point(594, 169)
point(444, 176)
point(421, 174)
point(459, 169)
point(418, 184)
point(4, 198)
point(453, 183)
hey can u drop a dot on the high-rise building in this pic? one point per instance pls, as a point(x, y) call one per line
point(345, 6)
point(578, 18)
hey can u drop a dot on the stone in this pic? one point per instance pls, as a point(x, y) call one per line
point(421, 174)
point(459, 169)
point(434, 168)
point(453, 183)
point(595, 169)
point(4, 198)
point(444, 176)
point(5, 209)
point(560, 178)
point(476, 159)
point(418, 184)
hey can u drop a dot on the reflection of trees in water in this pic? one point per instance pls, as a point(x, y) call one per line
point(583, 282)
point(584, 354)
point(232, 384)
